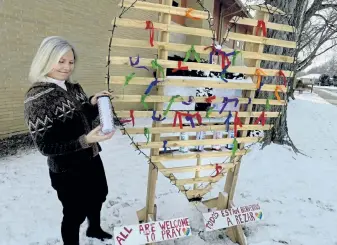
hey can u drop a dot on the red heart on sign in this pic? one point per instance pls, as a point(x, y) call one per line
point(184, 230)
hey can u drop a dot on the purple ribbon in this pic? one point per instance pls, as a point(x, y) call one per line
point(189, 118)
point(136, 63)
point(226, 101)
point(157, 119)
point(249, 102)
point(261, 84)
point(223, 74)
point(152, 84)
point(190, 99)
point(164, 145)
point(227, 121)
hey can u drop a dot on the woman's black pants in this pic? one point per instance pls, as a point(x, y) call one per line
point(82, 193)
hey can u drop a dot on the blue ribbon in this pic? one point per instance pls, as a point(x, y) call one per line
point(190, 100)
point(164, 145)
point(152, 84)
point(157, 119)
point(227, 120)
point(224, 71)
point(249, 102)
point(226, 101)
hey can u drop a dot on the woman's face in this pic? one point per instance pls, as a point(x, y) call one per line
point(63, 69)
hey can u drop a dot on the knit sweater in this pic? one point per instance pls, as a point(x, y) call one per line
point(58, 121)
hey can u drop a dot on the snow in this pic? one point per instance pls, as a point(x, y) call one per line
point(296, 192)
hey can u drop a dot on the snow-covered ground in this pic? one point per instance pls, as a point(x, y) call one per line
point(297, 193)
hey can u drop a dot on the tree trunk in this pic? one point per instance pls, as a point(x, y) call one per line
point(295, 10)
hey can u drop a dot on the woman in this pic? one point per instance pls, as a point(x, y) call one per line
point(59, 117)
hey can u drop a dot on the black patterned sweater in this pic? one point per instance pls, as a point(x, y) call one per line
point(58, 120)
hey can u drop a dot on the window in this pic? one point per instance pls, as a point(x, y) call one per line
point(175, 4)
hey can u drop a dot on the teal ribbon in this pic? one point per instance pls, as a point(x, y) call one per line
point(235, 55)
point(155, 65)
point(170, 104)
point(128, 78)
point(147, 134)
point(143, 101)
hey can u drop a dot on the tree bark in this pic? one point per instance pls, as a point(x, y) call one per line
point(295, 10)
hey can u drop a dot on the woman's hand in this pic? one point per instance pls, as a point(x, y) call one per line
point(94, 136)
point(93, 100)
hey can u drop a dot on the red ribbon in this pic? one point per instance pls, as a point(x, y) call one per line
point(183, 68)
point(149, 26)
point(261, 119)
point(261, 25)
point(210, 99)
point(218, 170)
point(132, 117)
point(281, 74)
point(180, 115)
point(237, 122)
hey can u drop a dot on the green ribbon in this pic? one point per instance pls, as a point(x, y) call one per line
point(147, 134)
point(170, 104)
point(235, 55)
point(155, 65)
point(143, 101)
point(267, 105)
point(209, 111)
point(128, 78)
point(235, 147)
point(189, 52)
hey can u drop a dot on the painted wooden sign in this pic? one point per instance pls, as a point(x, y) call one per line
point(231, 217)
point(152, 232)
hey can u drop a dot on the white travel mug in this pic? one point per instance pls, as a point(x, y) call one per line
point(105, 114)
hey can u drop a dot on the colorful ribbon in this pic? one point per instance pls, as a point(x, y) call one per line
point(170, 103)
point(261, 119)
point(152, 84)
point(218, 170)
point(157, 119)
point(209, 111)
point(249, 102)
point(278, 88)
point(235, 147)
point(237, 122)
point(226, 101)
point(261, 25)
point(155, 65)
point(223, 73)
point(180, 67)
point(132, 117)
point(210, 99)
point(190, 100)
point(281, 74)
point(164, 145)
point(149, 26)
point(188, 14)
point(235, 55)
point(190, 119)
point(189, 52)
point(147, 134)
point(258, 73)
point(133, 64)
point(227, 121)
point(128, 78)
point(267, 105)
point(143, 101)
point(179, 115)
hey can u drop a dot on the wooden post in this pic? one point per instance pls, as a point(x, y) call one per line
point(236, 233)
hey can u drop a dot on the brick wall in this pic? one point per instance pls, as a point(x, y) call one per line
point(24, 24)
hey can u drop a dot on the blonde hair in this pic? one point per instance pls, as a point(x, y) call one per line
point(49, 53)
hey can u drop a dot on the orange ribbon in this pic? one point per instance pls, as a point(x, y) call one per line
point(180, 67)
point(258, 73)
point(188, 14)
point(210, 99)
point(278, 88)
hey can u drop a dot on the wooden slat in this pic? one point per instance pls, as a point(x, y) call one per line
point(198, 180)
point(198, 193)
point(170, 114)
point(188, 156)
point(187, 169)
point(151, 145)
point(157, 98)
point(120, 80)
point(144, 44)
point(115, 60)
point(261, 40)
point(170, 129)
point(269, 25)
point(161, 8)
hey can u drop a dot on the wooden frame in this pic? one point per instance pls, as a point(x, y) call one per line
point(253, 53)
